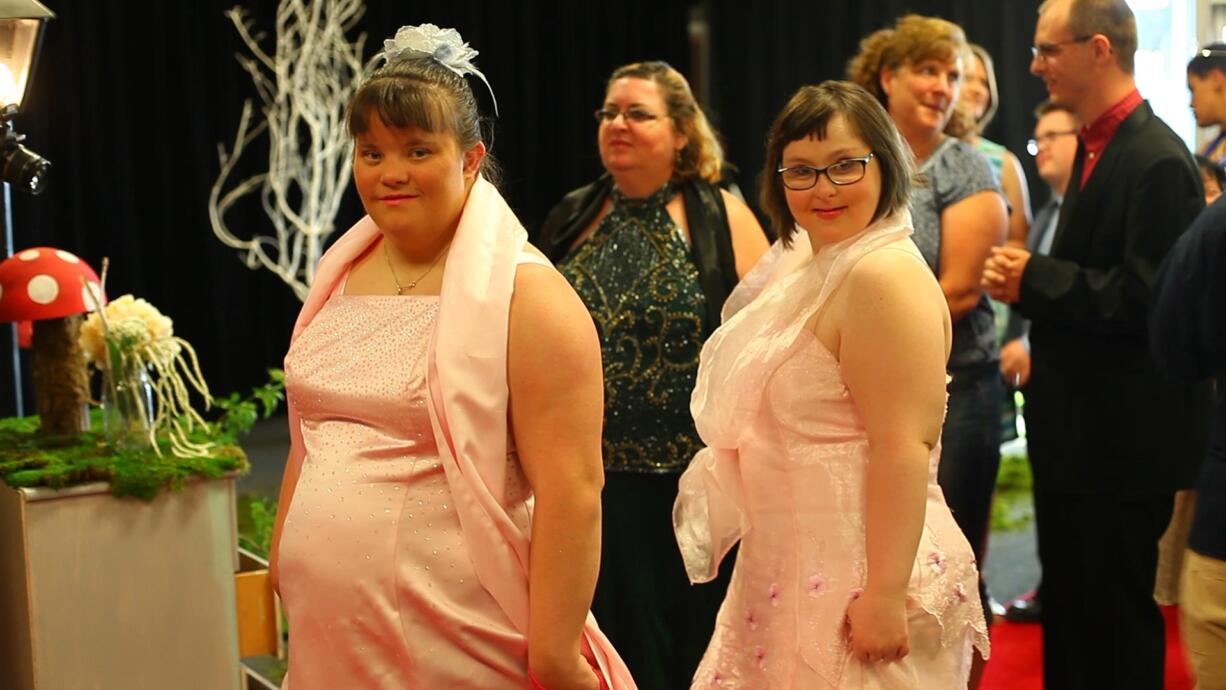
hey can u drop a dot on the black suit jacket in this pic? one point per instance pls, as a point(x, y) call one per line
point(1100, 417)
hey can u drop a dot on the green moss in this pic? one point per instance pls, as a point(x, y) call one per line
point(29, 460)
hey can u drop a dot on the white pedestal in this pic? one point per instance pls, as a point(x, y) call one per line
point(100, 593)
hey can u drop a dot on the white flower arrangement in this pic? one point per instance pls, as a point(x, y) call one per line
point(129, 334)
point(131, 322)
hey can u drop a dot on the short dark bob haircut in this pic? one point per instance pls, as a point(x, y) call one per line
point(1209, 58)
point(807, 114)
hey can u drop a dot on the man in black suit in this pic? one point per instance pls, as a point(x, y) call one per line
point(1111, 439)
point(1054, 147)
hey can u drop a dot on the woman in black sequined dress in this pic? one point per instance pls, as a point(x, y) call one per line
point(653, 248)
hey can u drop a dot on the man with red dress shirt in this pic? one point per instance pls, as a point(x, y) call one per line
point(1110, 438)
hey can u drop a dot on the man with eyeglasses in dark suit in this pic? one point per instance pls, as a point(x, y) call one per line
point(1111, 438)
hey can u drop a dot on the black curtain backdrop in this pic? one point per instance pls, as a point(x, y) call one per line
point(132, 99)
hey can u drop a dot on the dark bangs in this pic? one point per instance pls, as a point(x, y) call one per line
point(400, 103)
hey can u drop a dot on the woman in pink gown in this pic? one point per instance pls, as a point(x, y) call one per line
point(821, 400)
point(439, 519)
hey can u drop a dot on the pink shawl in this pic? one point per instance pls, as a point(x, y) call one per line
point(762, 320)
point(468, 394)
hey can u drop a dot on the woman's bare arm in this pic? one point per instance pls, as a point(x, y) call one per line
point(557, 411)
point(748, 241)
point(969, 230)
point(893, 345)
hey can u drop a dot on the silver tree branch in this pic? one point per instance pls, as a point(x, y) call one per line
point(303, 88)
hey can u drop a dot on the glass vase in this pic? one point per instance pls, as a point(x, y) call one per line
point(127, 406)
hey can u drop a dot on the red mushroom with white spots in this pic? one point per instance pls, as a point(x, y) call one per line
point(49, 287)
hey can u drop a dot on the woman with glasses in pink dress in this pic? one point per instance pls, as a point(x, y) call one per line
point(821, 400)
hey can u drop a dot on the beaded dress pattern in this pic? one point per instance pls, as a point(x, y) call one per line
point(637, 280)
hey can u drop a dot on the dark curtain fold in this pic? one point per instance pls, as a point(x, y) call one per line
point(132, 100)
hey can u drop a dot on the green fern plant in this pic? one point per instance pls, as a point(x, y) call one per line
point(239, 414)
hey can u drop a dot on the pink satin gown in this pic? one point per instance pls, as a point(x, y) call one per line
point(375, 573)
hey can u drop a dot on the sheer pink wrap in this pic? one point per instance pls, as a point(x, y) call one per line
point(762, 320)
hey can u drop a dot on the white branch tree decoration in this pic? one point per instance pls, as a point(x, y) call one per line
point(303, 87)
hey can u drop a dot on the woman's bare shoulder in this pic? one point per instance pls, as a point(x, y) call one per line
point(545, 299)
point(889, 264)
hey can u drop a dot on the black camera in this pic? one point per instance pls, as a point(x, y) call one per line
point(19, 166)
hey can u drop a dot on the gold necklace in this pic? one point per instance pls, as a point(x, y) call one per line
point(412, 283)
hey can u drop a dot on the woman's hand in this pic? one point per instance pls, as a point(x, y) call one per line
point(579, 674)
point(877, 627)
point(1015, 363)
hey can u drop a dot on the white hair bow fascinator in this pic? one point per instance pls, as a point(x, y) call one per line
point(444, 45)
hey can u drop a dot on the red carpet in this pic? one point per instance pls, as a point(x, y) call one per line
point(1017, 656)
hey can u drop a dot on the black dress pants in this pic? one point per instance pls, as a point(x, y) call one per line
point(659, 623)
point(1101, 625)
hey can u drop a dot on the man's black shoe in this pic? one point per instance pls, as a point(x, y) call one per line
point(1027, 608)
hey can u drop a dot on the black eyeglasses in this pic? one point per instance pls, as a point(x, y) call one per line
point(635, 115)
point(798, 178)
point(1043, 51)
point(1032, 146)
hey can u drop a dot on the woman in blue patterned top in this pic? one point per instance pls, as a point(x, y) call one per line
point(915, 69)
point(653, 248)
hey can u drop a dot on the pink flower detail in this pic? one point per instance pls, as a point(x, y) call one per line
point(773, 593)
point(751, 619)
point(936, 560)
point(960, 591)
point(760, 655)
point(816, 585)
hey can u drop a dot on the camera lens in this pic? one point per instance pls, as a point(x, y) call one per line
point(24, 168)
